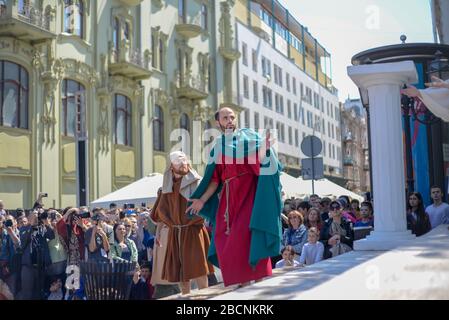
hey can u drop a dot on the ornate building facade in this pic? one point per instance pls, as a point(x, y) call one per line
point(118, 76)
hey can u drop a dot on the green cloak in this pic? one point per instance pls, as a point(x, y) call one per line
point(265, 224)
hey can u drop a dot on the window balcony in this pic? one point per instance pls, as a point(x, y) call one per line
point(129, 63)
point(191, 87)
point(26, 23)
point(228, 48)
point(189, 27)
point(348, 161)
point(235, 102)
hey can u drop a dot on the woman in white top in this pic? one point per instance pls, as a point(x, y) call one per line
point(313, 250)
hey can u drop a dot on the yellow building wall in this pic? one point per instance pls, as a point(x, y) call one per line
point(241, 10)
point(15, 149)
point(297, 57)
point(124, 163)
point(16, 191)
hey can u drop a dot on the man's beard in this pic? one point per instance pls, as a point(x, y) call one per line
point(227, 130)
point(181, 171)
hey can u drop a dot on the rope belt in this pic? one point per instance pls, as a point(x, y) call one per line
point(226, 182)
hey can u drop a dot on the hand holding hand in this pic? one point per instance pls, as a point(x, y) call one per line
point(196, 206)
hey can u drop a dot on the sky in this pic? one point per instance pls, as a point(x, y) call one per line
point(347, 27)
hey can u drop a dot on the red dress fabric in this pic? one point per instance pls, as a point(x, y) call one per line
point(233, 248)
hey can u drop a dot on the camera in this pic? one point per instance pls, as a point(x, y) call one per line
point(83, 214)
point(42, 215)
point(44, 195)
point(8, 223)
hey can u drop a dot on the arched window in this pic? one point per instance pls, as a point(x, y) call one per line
point(126, 31)
point(204, 16)
point(161, 54)
point(72, 106)
point(13, 95)
point(116, 35)
point(74, 17)
point(184, 122)
point(158, 129)
point(123, 124)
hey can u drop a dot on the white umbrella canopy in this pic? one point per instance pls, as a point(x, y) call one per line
point(292, 187)
point(327, 188)
point(143, 190)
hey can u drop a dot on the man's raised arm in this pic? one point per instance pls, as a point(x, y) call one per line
point(197, 204)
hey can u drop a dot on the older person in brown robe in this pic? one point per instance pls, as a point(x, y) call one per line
point(188, 241)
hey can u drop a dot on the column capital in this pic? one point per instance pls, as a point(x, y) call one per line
point(395, 73)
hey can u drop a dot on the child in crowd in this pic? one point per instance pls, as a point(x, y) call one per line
point(287, 258)
point(313, 250)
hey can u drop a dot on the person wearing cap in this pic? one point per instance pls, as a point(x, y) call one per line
point(337, 235)
point(188, 241)
point(324, 208)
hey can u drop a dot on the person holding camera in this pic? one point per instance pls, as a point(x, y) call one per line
point(58, 253)
point(71, 229)
point(35, 254)
point(98, 237)
point(9, 243)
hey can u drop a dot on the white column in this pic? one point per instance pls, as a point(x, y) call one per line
point(383, 83)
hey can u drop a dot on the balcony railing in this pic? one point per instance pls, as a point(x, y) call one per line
point(348, 161)
point(190, 86)
point(26, 22)
point(189, 27)
point(129, 62)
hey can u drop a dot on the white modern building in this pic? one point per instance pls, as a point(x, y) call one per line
point(277, 93)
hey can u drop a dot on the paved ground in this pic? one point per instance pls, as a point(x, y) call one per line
point(419, 270)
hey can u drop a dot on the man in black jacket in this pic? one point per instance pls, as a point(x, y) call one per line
point(35, 254)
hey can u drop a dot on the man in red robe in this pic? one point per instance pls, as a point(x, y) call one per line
point(232, 230)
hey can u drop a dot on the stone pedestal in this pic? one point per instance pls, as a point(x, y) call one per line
point(383, 83)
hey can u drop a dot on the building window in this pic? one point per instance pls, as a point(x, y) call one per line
point(256, 121)
point(204, 16)
point(332, 111)
point(324, 126)
point(324, 148)
point(309, 119)
point(116, 36)
point(182, 10)
point(289, 109)
point(296, 138)
point(123, 124)
point(267, 97)
point(72, 106)
point(287, 81)
point(254, 57)
point(295, 111)
point(266, 67)
point(13, 95)
point(294, 85)
point(302, 90)
point(268, 123)
point(161, 54)
point(290, 136)
point(158, 129)
point(245, 87)
point(255, 92)
point(246, 119)
point(184, 122)
point(245, 53)
point(276, 74)
point(303, 120)
point(74, 17)
point(329, 129)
